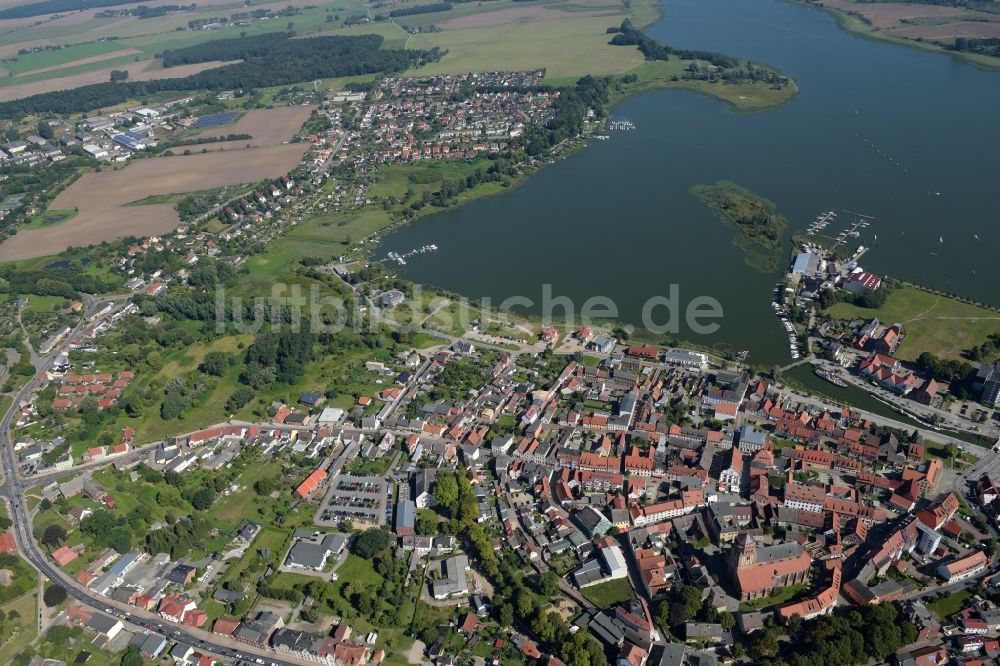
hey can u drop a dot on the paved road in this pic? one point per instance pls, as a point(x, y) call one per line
point(12, 492)
point(824, 403)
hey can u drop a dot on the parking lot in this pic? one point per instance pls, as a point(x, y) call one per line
point(359, 499)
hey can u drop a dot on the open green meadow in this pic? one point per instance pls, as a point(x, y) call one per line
point(49, 218)
point(938, 324)
point(609, 593)
point(949, 604)
point(17, 634)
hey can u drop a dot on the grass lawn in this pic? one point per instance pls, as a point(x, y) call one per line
point(938, 324)
point(17, 635)
point(396, 179)
point(23, 581)
point(938, 451)
point(609, 593)
point(356, 569)
point(44, 304)
point(365, 467)
point(49, 218)
point(455, 318)
point(270, 538)
point(231, 512)
point(783, 595)
point(949, 604)
point(740, 96)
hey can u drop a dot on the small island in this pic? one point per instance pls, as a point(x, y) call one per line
point(761, 227)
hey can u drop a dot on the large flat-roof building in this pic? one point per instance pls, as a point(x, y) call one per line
point(312, 550)
point(989, 378)
point(454, 580)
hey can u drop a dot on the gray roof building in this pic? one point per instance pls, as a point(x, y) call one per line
point(406, 515)
point(311, 550)
point(454, 579)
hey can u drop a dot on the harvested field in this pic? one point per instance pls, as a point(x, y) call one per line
point(135, 70)
point(571, 47)
point(102, 197)
point(511, 15)
point(82, 61)
point(268, 127)
point(950, 30)
point(882, 15)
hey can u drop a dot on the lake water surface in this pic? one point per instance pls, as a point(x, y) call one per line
point(618, 220)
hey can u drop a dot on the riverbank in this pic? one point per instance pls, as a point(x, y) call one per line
point(856, 24)
point(373, 223)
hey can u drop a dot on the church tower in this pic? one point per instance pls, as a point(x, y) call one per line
point(744, 552)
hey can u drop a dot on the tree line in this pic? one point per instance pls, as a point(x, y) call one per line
point(724, 67)
point(50, 282)
point(421, 9)
point(272, 59)
point(985, 45)
point(871, 300)
point(628, 35)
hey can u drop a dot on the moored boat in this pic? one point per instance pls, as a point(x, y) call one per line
point(830, 377)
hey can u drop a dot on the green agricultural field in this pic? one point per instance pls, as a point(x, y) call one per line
point(63, 56)
point(609, 593)
point(569, 47)
point(69, 70)
point(144, 38)
point(938, 324)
